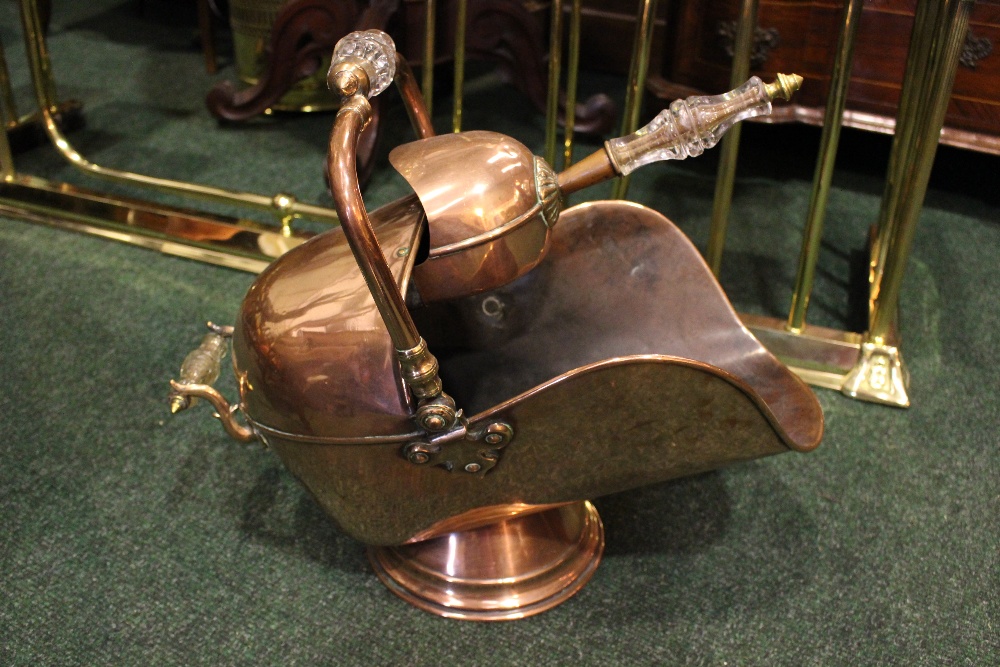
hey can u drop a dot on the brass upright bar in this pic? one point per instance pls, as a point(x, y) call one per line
point(919, 58)
point(8, 107)
point(428, 67)
point(880, 374)
point(723, 199)
point(460, 20)
point(555, 66)
point(6, 156)
point(839, 80)
point(941, 78)
point(572, 71)
point(638, 70)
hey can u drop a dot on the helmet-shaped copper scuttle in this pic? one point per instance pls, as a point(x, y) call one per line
point(577, 353)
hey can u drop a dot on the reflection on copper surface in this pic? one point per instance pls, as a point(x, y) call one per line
point(484, 212)
point(507, 570)
point(311, 337)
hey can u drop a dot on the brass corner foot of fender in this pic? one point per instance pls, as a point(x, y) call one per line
point(879, 376)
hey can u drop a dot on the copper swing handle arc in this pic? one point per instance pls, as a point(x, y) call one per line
point(363, 62)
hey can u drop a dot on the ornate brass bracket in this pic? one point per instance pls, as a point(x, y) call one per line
point(764, 39)
point(474, 451)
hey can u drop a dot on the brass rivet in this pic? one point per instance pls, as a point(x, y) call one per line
point(473, 467)
point(419, 457)
point(403, 252)
point(434, 423)
point(493, 439)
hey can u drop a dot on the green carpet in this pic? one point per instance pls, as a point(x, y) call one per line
point(128, 537)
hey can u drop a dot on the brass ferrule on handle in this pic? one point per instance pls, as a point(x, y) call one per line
point(358, 71)
point(784, 86)
point(420, 371)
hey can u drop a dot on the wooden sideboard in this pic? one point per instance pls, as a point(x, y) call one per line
point(801, 36)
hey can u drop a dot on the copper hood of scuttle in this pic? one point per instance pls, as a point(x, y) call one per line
point(584, 351)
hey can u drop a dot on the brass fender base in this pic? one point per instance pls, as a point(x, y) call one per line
point(516, 568)
point(879, 376)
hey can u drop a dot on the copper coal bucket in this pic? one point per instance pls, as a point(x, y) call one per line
point(580, 359)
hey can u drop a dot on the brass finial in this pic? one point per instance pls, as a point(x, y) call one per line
point(178, 403)
point(347, 80)
point(785, 85)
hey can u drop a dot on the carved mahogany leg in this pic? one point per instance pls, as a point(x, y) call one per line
point(303, 34)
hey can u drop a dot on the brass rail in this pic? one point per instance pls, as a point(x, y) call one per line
point(427, 71)
point(572, 71)
point(880, 374)
point(283, 205)
point(8, 108)
point(917, 65)
point(555, 82)
point(6, 156)
point(461, 19)
point(555, 66)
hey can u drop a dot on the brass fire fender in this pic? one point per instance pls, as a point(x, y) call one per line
point(867, 366)
point(233, 242)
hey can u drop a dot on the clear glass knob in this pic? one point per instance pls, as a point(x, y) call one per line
point(374, 51)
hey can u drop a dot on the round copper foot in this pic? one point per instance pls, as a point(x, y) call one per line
point(515, 568)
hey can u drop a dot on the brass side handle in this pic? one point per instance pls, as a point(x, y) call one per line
point(202, 365)
point(200, 368)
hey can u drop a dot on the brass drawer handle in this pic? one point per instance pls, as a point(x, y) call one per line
point(764, 39)
point(974, 50)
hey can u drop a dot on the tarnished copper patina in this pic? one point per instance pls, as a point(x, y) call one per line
point(580, 358)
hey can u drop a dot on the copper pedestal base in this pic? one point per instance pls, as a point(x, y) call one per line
point(508, 570)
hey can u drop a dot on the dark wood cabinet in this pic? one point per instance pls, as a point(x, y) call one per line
point(801, 36)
